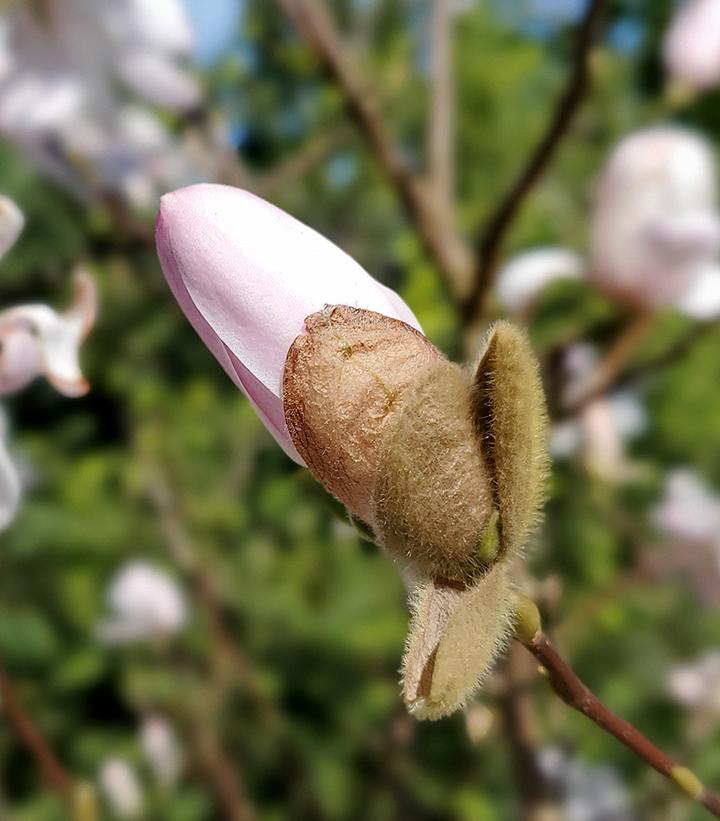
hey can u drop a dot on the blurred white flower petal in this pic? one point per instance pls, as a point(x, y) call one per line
point(144, 603)
point(600, 430)
point(36, 340)
point(655, 224)
point(121, 788)
point(12, 222)
point(522, 280)
point(689, 509)
point(697, 686)
point(587, 793)
point(691, 49)
point(159, 80)
point(10, 483)
point(702, 300)
point(60, 99)
point(161, 749)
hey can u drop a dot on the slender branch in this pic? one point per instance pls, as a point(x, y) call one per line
point(442, 244)
point(27, 731)
point(630, 376)
point(611, 365)
point(500, 221)
point(441, 136)
point(576, 694)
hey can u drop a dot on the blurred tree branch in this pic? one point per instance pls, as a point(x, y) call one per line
point(441, 125)
point(575, 693)
point(500, 221)
point(443, 245)
point(54, 773)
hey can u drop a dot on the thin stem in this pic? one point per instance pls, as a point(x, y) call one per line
point(54, 774)
point(577, 695)
point(612, 364)
point(500, 221)
point(442, 244)
point(441, 131)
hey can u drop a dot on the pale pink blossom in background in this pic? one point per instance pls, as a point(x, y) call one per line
point(144, 603)
point(586, 792)
point(522, 280)
point(60, 99)
point(689, 509)
point(120, 787)
point(655, 226)
point(161, 749)
point(10, 482)
point(600, 431)
point(702, 300)
point(247, 275)
point(37, 340)
point(12, 222)
point(697, 685)
point(691, 49)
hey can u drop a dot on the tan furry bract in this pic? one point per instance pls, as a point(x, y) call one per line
point(433, 496)
point(344, 380)
point(454, 637)
point(508, 406)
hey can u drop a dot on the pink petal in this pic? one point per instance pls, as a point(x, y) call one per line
point(247, 274)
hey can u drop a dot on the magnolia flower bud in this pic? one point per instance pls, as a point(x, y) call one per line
point(36, 340)
point(445, 468)
point(655, 225)
point(145, 603)
point(692, 45)
point(246, 274)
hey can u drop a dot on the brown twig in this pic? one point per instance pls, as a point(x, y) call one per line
point(577, 695)
point(611, 365)
point(27, 731)
point(441, 137)
point(442, 244)
point(501, 219)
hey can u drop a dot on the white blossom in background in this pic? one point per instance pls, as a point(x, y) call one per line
point(120, 786)
point(702, 300)
point(689, 509)
point(691, 49)
point(587, 793)
point(12, 221)
point(10, 482)
point(655, 226)
point(161, 749)
point(61, 67)
point(521, 281)
point(144, 603)
point(599, 431)
point(36, 340)
point(697, 686)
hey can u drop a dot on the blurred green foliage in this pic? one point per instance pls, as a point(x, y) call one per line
point(316, 614)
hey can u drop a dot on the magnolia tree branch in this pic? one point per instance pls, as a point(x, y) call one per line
point(441, 131)
point(608, 371)
point(576, 694)
point(54, 774)
point(496, 229)
point(441, 242)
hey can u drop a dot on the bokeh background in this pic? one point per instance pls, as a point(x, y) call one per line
point(261, 681)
